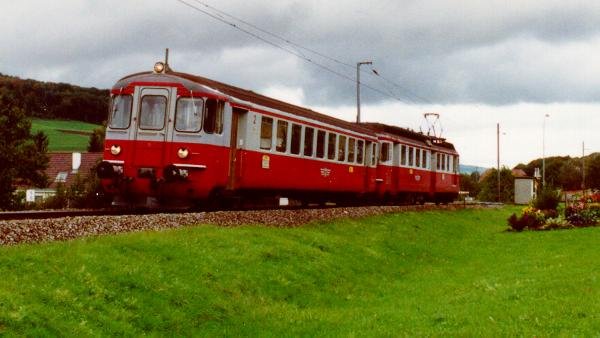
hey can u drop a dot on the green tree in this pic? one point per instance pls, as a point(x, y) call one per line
point(592, 171)
point(489, 186)
point(470, 183)
point(22, 155)
point(96, 142)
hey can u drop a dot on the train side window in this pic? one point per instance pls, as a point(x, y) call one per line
point(309, 135)
point(331, 138)
point(341, 148)
point(360, 150)
point(188, 115)
point(402, 154)
point(438, 161)
point(418, 157)
point(456, 166)
point(296, 135)
point(282, 131)
point(351, 150)
point(154, 108)
point(320, 144)
point(426, 159)
point(374, 154)
point(411, 156)
point(266, 133)
point(385, 152)
point(213, 116)
point(443, 162)
point(120, 112)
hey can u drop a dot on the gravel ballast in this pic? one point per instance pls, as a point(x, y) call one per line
point(65, 228)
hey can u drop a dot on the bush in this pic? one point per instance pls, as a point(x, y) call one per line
point(547, 199)
point(557, 223)
point(532, 219)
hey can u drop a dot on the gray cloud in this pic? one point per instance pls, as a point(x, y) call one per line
point(493, 52)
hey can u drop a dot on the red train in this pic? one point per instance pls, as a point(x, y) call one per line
point(178, 138)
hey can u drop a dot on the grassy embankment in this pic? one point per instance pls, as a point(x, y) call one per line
point(432, 273)
point(65, 135)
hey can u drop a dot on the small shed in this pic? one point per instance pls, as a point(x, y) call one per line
point(525, 189)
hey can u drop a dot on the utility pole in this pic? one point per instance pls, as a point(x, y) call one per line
point(498, 156)
point(358, 87)
point(583, 167)
point(544, 151)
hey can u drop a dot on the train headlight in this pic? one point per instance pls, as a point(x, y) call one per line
point(159, 67)
point(183, 153)
point(115, 149)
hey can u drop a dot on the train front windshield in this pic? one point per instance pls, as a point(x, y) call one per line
point(120, 112)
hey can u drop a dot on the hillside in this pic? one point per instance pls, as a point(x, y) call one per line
point(64, 135)
point(49, 100)
point(434, 273)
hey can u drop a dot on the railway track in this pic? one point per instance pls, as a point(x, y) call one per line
point(50, 214)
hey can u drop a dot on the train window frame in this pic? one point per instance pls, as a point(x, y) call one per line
point(456, 164)
point(373, 154)
point(142, 115)
point(296, 139)
point(418, 157)
point(309, 144)
point(217, 121)
point(351, 150)
point(411, 156)
point(281, 136)
point(331, 146)
point(384, 152)
point(200, 119)
point(111, 113)
point(263, 130)
point(342, 144)
point(360, 151)
point(444, 162)
point(403, 152)
point(321, 144)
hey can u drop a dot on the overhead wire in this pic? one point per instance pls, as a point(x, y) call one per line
point(220, 16)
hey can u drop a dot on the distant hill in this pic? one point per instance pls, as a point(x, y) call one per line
point(468, 169)
point(48, 100)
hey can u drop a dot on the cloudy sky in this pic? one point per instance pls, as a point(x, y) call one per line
point(476, 63)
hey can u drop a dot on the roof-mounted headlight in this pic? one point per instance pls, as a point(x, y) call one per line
point(159, 67)
point(115, 149)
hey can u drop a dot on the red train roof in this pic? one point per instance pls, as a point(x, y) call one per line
point(258, 99)
point(409, 134)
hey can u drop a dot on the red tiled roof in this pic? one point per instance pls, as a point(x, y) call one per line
point(62, 162)
point(519, 173)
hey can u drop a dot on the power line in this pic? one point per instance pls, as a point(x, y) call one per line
point(288, 41)
point(300, 55)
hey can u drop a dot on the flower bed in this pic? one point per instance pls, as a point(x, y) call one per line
point(580, 214)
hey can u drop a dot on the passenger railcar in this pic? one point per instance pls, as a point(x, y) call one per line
point(174, 138)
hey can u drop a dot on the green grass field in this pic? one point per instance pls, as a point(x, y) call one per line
point(65, 135)
point(456, 273)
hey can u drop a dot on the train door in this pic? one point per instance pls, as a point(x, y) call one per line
point(151, 131)
point(384, 169)
point(371, 166)
point(434, 169)
point(238, 123)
